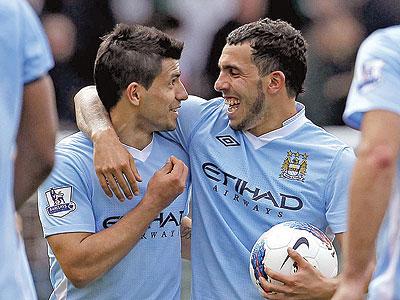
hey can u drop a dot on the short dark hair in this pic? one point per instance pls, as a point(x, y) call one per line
point(276, 45)
point(131, 53)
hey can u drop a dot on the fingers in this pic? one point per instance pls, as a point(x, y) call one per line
point(293, 254)
point(104, 184)
point(134, 170)
point(113, 184)
point(268, 293)
point(167, 168)
point(122, 182)
point(276, 276)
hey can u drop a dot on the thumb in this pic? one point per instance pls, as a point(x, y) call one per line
point(296, 257)
point(167, 167)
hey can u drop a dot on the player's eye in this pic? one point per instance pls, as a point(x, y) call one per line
point(233, 72)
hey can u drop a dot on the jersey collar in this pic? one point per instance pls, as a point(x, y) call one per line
point(141, 155)
point(288, 126)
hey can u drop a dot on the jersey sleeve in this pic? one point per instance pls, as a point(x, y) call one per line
point(336, 191)
point(193, 112)
point(64, 199)
point(376, 77)
point(36, 52)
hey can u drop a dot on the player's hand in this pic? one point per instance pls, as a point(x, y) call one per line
point(167, 183)
point(307, 283)
point(115, 166)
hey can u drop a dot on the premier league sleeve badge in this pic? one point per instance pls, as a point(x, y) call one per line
point(60, 202)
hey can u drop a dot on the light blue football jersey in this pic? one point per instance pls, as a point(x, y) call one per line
point(24, 57)
point(376, 87)
point(243, 185)
point(71, 200)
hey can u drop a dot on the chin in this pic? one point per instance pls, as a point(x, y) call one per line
point(235, 126)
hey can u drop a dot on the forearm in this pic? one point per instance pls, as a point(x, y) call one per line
point(35, 140)
point(91, 116)
point(186, 237)
point(369, 193)
point(95, 254)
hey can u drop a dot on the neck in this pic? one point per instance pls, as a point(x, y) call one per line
point(128, 126)
point(277, 113)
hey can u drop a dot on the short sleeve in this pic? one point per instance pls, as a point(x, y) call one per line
point(336, 191)
point(376, 77)
point(64, 199)
point(36, 52)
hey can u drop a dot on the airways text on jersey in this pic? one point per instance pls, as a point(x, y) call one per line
point(241, 190)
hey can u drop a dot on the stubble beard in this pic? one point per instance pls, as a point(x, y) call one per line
point(255, 112)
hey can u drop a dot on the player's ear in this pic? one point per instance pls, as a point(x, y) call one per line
point(275, 82)
point(133, 93)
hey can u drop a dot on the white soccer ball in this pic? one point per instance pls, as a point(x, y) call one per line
point(271, 250)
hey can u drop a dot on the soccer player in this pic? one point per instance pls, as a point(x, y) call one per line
point(28, 126)
point(255, 160)
point(373, 107)
point(101, 249)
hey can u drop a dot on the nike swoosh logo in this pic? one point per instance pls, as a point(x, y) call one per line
point(296, 245)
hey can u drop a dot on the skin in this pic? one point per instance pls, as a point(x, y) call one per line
point(141, 111)
point(370, 191)
point(36, 132)
point(260, 109)
point(258, 104)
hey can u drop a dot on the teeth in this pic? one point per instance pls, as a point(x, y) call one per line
point(231, 101)
point(232, 108)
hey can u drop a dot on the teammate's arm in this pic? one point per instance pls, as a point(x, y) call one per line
point(114, 165)
point(186, 237)
point(370, 191)
point(36, 138)
point(84, 257)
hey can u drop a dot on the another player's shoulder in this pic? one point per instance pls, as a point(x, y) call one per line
point(381, 41)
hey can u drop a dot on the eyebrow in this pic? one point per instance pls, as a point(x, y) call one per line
point(228, 66)
point(175, 74)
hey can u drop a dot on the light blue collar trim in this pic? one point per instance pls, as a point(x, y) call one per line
point(288, 126)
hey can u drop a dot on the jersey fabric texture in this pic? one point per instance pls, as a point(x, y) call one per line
point(243, 185)
point(24, 57)
point(71, 200)
point(376, 87)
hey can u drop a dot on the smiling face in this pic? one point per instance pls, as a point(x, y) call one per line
point(242, 88)
point(160, 103)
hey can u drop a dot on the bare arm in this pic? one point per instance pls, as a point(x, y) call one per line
point(85, 257)
point(186, 237)
point(370, 192)
point(114, 165)
point(36, 138)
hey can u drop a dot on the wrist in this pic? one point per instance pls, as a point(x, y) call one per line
point(108, 134)
point(150, 205)
point(331, 285)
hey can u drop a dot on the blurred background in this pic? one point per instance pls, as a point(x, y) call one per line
point(334, 30)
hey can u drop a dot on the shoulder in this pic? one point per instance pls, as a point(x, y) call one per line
point(319, 137)
point(75, 148)
point(200, 104)
point(382, 44)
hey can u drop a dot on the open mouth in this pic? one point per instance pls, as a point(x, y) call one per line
point(175, 109)
point(233, 104)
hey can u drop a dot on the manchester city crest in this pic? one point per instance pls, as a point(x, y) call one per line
point(60, 201)
point(294, 166)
